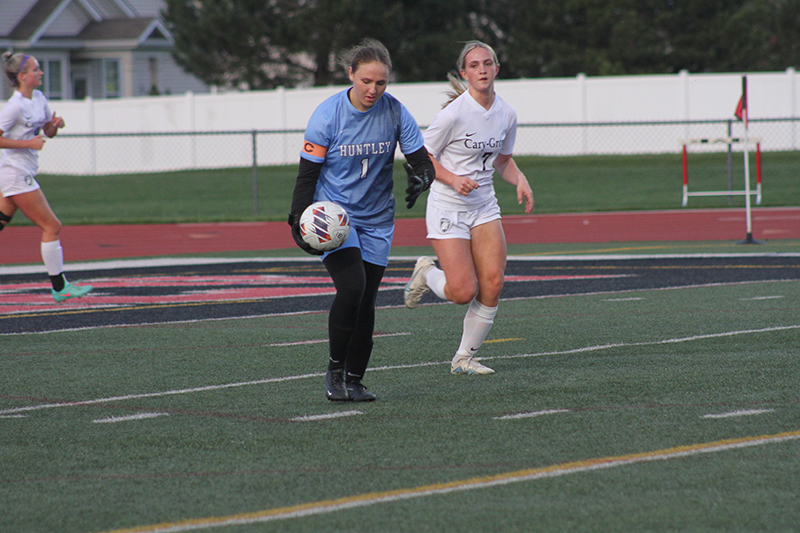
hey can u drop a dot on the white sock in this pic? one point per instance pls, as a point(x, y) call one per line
point(436, 281)
point(477, 323)
point(53, 257)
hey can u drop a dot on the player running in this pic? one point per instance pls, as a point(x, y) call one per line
point(347, 158)
point(468, 140)
point(22, 122)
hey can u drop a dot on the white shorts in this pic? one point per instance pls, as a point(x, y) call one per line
point(16, 181)
point(449, 224)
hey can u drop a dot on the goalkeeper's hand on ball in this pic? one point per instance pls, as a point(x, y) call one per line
point(294, 222)
point(416, 184)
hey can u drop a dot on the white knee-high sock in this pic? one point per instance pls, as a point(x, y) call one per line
point(53, 257)
point(477, 323)
point(436, 280)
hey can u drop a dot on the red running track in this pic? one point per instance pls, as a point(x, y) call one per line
point(20, 244)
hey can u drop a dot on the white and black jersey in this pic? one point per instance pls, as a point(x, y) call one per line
point(466, 139)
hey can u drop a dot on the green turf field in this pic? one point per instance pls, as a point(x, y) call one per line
point(667, 410)
point(560, 185)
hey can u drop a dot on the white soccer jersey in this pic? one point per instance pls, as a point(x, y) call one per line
point(466, 139)
point(23, 119)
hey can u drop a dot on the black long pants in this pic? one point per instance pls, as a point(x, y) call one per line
point(351, 321)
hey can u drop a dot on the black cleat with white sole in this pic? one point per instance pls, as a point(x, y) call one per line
point(335, 390)
point(358, 392)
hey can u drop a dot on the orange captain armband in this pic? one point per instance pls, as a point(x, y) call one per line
point(314, 149)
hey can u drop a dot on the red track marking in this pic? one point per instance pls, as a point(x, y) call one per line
point(20, 244)
point(34, 297)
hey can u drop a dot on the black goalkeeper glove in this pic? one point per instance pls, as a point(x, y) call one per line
point(416, 184)
point(294, 222)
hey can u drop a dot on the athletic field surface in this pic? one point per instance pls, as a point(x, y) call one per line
point(647, 379)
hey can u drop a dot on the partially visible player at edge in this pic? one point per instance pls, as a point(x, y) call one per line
point(347, 158)
point(468, 140)
point(22, 122)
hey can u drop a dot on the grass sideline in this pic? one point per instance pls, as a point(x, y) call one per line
point(598, 376)
point(560, 184)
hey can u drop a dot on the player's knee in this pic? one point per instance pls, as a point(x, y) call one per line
point(53, 227)
point(462, 294)
point(493, 285)
point(4, 220)
point(349, 288)
point(350, 295)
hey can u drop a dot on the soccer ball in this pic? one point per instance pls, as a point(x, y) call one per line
point(324, 226)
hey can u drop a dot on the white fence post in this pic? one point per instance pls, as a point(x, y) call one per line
point(584, 103)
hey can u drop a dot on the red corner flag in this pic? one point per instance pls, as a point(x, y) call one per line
point(741, 107)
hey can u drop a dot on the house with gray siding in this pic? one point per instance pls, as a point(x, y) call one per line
point(95, 48)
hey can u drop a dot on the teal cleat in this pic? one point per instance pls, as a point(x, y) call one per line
point(71, 291)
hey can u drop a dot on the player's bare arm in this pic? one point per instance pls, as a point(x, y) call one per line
point(36, 143)
point(507, 168)
point(52, 127)
point(461, 184)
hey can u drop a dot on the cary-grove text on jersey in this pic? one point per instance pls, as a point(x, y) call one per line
point(481, 145)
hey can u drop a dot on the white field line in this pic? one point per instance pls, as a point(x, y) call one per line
point(158, 394)
point(375, 498)
point(651, 343)
point(623, 299)
point(147, 263)
point(532, 414)
point(762, 298)
point(732, 414)
point(328, 416)
point(585, 349)
point(192, 261)
point(139, 416)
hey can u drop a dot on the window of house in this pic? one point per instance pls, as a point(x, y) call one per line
point(111, 75)
point(52, 76)
point(154, 90)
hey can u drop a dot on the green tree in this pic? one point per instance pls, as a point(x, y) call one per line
point(253, 44)
point(428, 43)
point(612, 37)
point(324, 29)
point(237, 43)
point(785, 41)
point(260, 44)
point(257, 44)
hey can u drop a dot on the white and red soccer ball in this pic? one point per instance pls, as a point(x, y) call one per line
point(324, 226)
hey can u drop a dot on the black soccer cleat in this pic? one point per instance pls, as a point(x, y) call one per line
point(335, 390)
point(358, 392)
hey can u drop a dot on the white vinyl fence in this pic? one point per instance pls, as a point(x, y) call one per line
point(563, 116)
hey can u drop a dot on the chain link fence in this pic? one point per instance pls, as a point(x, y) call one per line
point(649, 137)
point(132, 153)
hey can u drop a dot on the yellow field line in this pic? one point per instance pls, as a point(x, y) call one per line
point(372, 498)
point(503, 340)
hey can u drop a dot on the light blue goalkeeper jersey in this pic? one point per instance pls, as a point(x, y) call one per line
point(357, 167)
